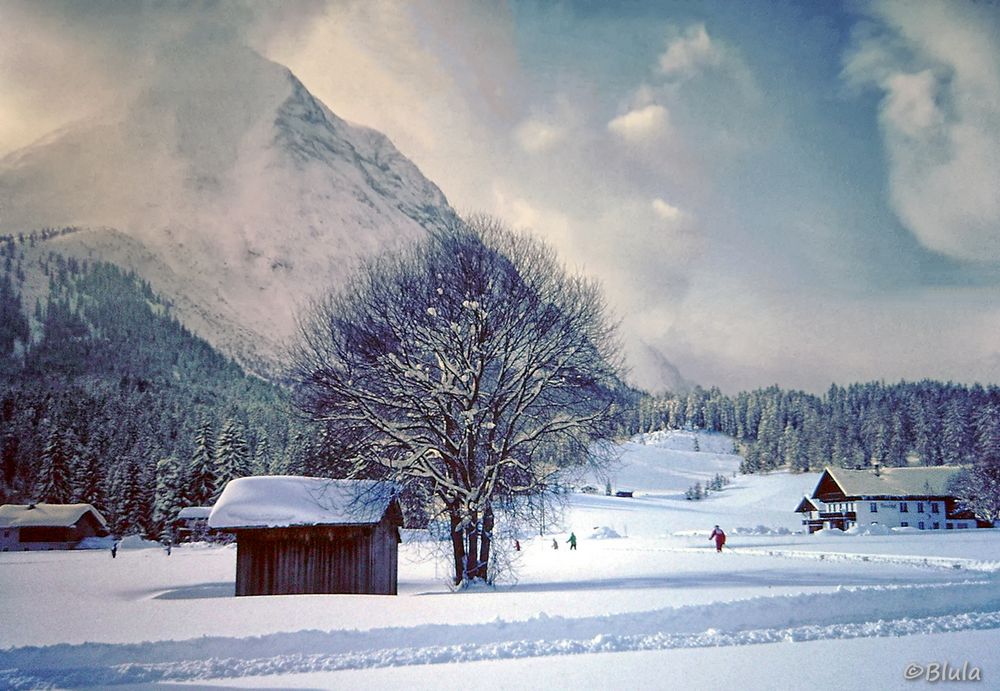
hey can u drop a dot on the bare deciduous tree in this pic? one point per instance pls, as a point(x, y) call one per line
point(471, 364)
point(978, 488)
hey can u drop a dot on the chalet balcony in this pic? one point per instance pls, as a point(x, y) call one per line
point(838, 515)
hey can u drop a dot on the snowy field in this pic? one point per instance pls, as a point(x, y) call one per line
point(653, 608)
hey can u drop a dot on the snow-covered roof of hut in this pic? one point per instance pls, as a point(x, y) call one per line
point(286, 500)
point(893, 482)
point(45, 515)
point(194, 512)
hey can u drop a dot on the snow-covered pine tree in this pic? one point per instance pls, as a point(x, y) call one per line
point(168, 499)
point(987, 429)
point(956, 432)
point(261, 464)
point(55, 476)
point(232, 456)
point(202, 473)
point(90, 480)
point(127, 498)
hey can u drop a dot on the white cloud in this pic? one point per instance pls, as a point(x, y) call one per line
point(535, 136)
point(666, 211)
point(936, 65)
point(689, 53)
point(910, 103)
point(642, 124)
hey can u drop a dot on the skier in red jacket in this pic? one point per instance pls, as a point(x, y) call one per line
point(719, 537)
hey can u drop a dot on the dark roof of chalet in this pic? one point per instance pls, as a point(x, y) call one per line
point(46, 515)
point(286, 500)
point(805, 505)
point(931, 481)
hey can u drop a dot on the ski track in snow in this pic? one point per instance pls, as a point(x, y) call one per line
point(848, 612)
point(954, 563)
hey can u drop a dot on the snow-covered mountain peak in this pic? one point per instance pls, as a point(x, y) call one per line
point(250, 193)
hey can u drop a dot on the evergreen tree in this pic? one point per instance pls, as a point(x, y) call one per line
point(987, 429)
point(232, 457)
point(128, 502)
point(769, 436)
point(261, 464)
point(956, 432)
point(55, 478)
point(90, 479)
point(169, 496)
point(13, 323)
point(792, 452)
point(202, 473)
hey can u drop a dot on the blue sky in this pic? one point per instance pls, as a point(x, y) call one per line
point(771, 192)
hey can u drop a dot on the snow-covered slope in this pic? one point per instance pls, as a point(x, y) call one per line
point(240, 194)
point(659, 467)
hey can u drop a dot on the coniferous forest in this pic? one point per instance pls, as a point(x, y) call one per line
point(924, 423)
point(106, 398)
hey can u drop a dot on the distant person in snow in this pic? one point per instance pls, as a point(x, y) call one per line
point(719, 537)
point(517, 545)
point(114, 549)
point(572, 540)
point(555, 544)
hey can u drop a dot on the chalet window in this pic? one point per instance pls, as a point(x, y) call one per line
point(935, 507)
point(873, 507)
point(921, 525)
point(937, 526)
point(903, 507)
point(904, 524)
point(920, 507)
point(949, 526)
point(961, 526)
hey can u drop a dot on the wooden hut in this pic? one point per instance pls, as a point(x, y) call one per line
point(48, 526)
point(297, 535)
point(192, 523)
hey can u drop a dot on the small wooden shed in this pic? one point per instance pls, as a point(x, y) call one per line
point(192, 523)
point(299, 535)
point(48, 526)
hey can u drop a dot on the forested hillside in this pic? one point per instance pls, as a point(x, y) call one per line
point(105, 398)
point(926, 422)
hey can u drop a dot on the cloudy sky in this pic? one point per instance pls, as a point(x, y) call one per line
point(770, 192)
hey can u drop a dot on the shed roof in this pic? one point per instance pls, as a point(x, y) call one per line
point(805, 505)
point(287, 500)
point(194, 512)
point(45, 515)
point(894, 482)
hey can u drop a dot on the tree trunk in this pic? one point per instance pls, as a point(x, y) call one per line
point(485, 543)
point(472, 548)
point(457, 544)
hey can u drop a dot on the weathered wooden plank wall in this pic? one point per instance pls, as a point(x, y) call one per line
point(320, 559)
